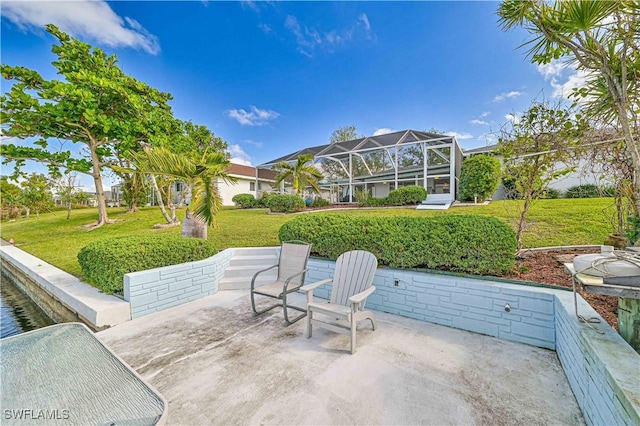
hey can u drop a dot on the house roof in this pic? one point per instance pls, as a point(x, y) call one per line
point(250, 171)
point(342, 149)
point(481, 150)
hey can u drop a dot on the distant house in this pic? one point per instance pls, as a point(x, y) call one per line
point(249, 180)
point(581, 176)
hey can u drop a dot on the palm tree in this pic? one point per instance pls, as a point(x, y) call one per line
point(200, 173)
point(599, 38)
point(302, 173)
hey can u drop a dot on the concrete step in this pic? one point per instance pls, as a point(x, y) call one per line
point(255, 251)
point(247, 271)
point(433, 206)
point(254, 260)
point(241, 283)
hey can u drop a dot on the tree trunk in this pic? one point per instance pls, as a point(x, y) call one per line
point(97, 179)
point(68, 210)
point(193, 226)
point(170, 220)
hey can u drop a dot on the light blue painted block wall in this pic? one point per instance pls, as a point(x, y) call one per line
point(602, 369)
point(460, 302)
point(161, 288)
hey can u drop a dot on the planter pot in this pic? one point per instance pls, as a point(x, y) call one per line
point(616, 240)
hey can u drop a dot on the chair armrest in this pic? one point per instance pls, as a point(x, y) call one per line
point(361, 297)
point(253, 279)
point(312, 286)
point(286, 283)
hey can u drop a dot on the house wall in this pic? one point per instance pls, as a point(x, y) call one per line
point(228, 190)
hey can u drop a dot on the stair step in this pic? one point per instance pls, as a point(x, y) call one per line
point(255, 251)
point(247, 271)
point(241, 283)
point(259, 261)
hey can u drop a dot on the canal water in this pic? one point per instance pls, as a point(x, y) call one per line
point(18, 313)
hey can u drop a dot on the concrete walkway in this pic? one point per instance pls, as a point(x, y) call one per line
point(218, 364)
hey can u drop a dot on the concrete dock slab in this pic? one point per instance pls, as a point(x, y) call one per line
point(218, 364)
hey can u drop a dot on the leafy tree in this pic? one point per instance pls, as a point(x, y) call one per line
point(302, 174)
point(343, 134)
point(36, 194)
point(66, 188)
point(95, 105)
point(601, 39)
point(532, 149)
point(480, 177)
point(9, 197)
point(200, 172)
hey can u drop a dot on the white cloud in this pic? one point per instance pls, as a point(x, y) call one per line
point(238, 156)
point(310, 39)
point(266, 28)
point(562, 77)
point(82, 18)
point(382, 131)
point(254, 143)
point(512, 118)
point(460, 136)
point(485, 114)
point(254, 117)
point(509, 95)
point(552, 69)
point(479, 122)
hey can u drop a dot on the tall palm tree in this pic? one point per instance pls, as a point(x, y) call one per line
point(200, 173)
point(302, 174)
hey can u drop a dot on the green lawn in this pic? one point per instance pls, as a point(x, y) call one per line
point(57, 240)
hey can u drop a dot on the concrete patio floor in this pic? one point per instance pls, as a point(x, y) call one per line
point(216, 363)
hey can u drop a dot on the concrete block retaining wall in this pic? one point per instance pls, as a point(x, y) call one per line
point(602, 369)
point(466, 303)
point(161, 288)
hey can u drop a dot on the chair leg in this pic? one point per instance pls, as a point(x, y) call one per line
point(354, 328)
point(370, 317)
point(309, 325)
point(286, 313)
point(257, 312)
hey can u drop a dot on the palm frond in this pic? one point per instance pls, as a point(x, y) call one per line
point(206, 201)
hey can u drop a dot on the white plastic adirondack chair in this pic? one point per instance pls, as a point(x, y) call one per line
point(352, 281)
point(292, 266)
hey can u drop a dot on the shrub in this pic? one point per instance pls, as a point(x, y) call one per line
point(104, 262)
point(550, 193)
point(480, 176)
point(407, 195)
point(320, 202)
point(376, 202)
point(589, 191)
point(461, 243)
point(285, 203)
point(361, 196)
point(264, 200)
point(244, 201)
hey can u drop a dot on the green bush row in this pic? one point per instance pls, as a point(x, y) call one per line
point(461, 243)
point(104, 262)
point(285, 203)
point(244, 201)
point(590, 191)
point(404, 196)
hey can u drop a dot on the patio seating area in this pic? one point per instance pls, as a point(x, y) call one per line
point(217, 363)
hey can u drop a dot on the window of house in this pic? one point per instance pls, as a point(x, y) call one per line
point(259, 185)
point(252, 186)
point(178, 186)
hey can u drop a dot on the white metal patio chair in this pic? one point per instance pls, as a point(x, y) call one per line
point(352, 284)
point(292, 266)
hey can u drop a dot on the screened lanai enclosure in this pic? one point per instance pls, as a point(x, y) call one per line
point(379, 164)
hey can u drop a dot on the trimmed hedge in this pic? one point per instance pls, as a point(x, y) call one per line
point(105, 262)
point(285, 203)
point(244, 201)
point(461, 243)
point(590, 191)
point(480, 176)
point(407, 195)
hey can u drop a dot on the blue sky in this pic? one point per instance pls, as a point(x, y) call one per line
point(274, 77)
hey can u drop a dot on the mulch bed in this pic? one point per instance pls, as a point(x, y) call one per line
point(547, 267)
